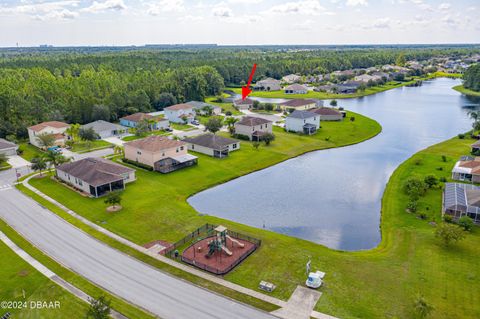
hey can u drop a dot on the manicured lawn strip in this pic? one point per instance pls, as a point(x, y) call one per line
point(18, 277)
point(29, 151)
point(134, 137)
point(155, 207)
point(464, 90)
point(82, 147)
point(76, 280)
point(5, 166)
point(145, 258)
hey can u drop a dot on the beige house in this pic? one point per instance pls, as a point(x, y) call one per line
point(55, 128)
point(253, 127)
point(243, 104)
point(213, 145)
point(160, 153)
point(298, 104)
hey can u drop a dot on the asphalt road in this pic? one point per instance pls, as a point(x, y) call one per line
point(132, 280)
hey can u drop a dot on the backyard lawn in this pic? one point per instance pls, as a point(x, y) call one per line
point(18, 277)
point(181, 127)
point(29, 151)
point(82, 147)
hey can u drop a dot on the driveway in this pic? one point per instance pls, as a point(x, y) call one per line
point(114, 140)
point(124, 276)
point(17, 161)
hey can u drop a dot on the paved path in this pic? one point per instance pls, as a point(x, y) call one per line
point(169, 261)
point(51, 275)
point(124, 276)
point(301, 304)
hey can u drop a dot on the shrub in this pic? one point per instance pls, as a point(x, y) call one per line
point(268, 138)
point(431, 181)
point(256, 145)
point(414, 188)
point(412, 206)
point(352, 119)
point(449, 233)
point(422, 216)
point(444, 158)
point(465, 222)
point(443, 179)
point(242, 137)
point(149, 168)
point(448, 219)
point(228, 113)
point(327, 138)
point(461, 136)
point(418, 161)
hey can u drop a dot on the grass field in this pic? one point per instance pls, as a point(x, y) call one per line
point(463, 90)
point(82, 147)
point(29, 151)
point(18, 277)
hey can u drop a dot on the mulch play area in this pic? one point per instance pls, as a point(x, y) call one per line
point(219, 262)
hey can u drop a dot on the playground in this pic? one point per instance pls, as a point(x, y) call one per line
point(218, 253)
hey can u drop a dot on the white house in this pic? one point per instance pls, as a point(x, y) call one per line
point(213, 145)
point(106, 129)
point(180, 113)
point(305, 122)
point(253, 127)
point(95, 176)
point(55, 128)
point(296, 89)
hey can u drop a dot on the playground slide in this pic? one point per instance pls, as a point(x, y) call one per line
point(226, 250)
point(236, 241)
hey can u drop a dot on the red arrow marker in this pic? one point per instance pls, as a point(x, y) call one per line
point(246, 90)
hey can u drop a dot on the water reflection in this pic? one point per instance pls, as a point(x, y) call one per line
point(332, 197)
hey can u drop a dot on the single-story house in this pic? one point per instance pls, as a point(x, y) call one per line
point(55, 128)
point(243, 104)
point(291, 78)
point(253, 127)
point(365, 78)
point(200, 107)
point(213, 145)
point(298, 104)
point(8, 148)
point(95, 176)
point(161, 153)
point(475, 147)
point(268, 84)
point(305, 122)
point(156, 122)
point(296, 89)
point(346, 88)
point(329, 88)
point(106, 129)
point(180, 113)
point(461, 200)
point(328, 114)
point(467, 169)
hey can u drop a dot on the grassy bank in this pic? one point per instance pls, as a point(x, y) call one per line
point(17, 278)
point(464, 90)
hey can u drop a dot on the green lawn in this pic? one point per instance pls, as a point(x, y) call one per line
point(4, 166)
point(225, 106)
point(181, 127)
point(18, 277)
point(29, 151)
point(463, 90)
point(82, 147)
point(204, 119)
point(134, 137)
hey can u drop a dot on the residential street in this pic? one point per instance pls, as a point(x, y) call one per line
point(140, 284)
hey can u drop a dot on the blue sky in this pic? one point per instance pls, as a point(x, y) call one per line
point(125, 22)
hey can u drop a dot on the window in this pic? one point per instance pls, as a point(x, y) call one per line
point(139, 153)
point(177, 150)
point(266, 125)
point(163, 154)
point(193, 147)
point(181, 148)
point(80, 183)
point(234, 146)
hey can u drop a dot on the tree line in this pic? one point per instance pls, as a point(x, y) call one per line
point(472, 78)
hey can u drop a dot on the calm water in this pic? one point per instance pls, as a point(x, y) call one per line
point(332, 197)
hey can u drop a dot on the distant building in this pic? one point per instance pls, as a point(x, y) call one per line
point(298, 104)
point(160, 153)
point(296, 89)
point(268, 84)
point(328, 114)
point(180, 113)
point(305, 122)
point(95, 176)
point(245, 104)
point(213, 145)
point(156, 122)
point(8, 148)
point(106, 129)
point(467, 169)
point(199, 107)
point(253, 127)
point(461, 200)
point(291, 78)
point(55, 128)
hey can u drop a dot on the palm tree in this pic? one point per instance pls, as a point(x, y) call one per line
point(230, 121)
point(475, 116)
point(39, 164)
point(73, 131)
point(46, 140)
point(55, 158)
point(119, 150)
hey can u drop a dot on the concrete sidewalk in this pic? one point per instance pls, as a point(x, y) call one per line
point(191, 270)
point(51, 275)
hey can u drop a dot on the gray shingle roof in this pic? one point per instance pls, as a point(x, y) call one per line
point(101, 126)
point(211, 141)
point(4, 144)
point(95, 171)
point(298, 102)
point(302, 114)
point(252, 121)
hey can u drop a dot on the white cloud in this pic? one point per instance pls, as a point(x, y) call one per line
point(354, 3)
point(157, 8)
point(109, 5)
point(222, 10)
point(64, 14)
point(382, 23)
point(306, 7)
point(245, 1)
point(444, 6)
point(43, 10)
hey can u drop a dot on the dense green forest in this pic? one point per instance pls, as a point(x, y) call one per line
point(79, 85)
point(472, 78)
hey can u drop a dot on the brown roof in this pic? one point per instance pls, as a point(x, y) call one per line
point(155, 143)
point(41, 126)
point(182, 106)
point(252, 121)
point(137, 117)
point(298, 102)
point(247, 101)
point(325, 111)
point(95, 171)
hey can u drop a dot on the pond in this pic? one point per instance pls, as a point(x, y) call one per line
point(333, 197)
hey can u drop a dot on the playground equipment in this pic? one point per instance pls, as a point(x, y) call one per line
point(220, 242)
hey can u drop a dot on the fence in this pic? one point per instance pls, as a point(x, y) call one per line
point(201, 231)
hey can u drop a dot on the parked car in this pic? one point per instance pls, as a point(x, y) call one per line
point(168, 129)
point(55, 149)
point(195, 122)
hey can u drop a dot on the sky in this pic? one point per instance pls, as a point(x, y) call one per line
point(237, 22)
